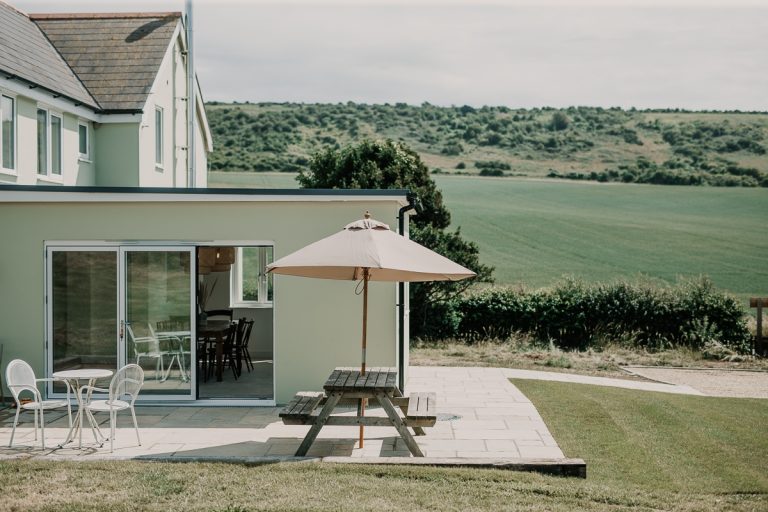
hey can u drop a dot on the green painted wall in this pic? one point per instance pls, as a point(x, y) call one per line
point(117, 155)
point(317, 322)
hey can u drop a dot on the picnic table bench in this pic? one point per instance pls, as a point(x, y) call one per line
point(346, 386)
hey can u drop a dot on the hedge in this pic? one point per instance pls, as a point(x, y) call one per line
point(578, 315)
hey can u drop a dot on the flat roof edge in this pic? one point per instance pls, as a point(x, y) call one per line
point(55, 194)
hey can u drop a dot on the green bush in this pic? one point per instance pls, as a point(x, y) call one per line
point(577, 315)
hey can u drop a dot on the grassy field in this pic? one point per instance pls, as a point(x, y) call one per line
point(534, 232)
point(644, 451)
point(688, 447)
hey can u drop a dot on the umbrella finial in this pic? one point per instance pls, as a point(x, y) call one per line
point(367, 214)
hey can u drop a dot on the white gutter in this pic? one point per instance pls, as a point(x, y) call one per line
point(191, 90)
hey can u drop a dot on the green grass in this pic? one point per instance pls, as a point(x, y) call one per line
point(168, 487)
point(220, 179)
point(644, 451)
point(660, 442)
point(534, 232)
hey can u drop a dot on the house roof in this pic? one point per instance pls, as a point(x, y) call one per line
point(26, 54)
point(57, 194)
point(116, 56)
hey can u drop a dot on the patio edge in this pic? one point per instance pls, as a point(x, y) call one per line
point(558, 467)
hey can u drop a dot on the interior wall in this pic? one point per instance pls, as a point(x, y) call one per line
point(260, 345)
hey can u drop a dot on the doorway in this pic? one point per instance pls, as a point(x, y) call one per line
point(108, 305)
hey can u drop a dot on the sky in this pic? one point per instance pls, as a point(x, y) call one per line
point(705, 54)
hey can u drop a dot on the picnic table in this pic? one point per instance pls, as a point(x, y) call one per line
point(346, 385)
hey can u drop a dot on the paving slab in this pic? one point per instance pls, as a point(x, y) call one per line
point(481, 415)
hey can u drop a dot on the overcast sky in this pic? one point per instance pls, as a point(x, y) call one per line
point(706, 54)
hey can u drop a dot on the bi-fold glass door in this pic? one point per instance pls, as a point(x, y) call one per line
point(113, 305)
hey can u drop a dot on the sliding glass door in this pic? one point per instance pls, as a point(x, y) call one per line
point(158, 320)
point(109, 306)
point(82, 309)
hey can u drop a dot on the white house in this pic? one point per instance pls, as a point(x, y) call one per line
point(97, 100)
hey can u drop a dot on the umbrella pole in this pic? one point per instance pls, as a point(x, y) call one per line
point(365, 342)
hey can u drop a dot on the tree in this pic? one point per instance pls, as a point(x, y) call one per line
point(559, 122)
point(388, 164)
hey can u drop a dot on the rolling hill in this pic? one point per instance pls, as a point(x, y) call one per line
point(583, 143)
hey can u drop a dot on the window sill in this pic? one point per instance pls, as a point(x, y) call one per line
point(159, 168)
point(84, 159)
point(251, 305)
point(9, 172)
point(51, 179)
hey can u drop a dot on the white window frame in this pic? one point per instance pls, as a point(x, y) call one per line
point(86, 157)
point(159, 137)
point(49, 174)
point(10, 170)
point(236, 286)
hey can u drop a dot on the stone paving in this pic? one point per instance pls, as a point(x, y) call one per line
point(573, 378)
point(480, 415)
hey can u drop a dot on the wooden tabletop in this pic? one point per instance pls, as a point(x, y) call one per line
point(351, 380)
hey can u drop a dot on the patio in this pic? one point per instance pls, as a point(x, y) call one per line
point(481, 415)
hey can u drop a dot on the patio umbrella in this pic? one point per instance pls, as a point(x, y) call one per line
point(367, 250)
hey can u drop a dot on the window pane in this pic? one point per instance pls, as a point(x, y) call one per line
point(55, 145)
point(84, 311)
point(158, 136)
point(250, 274)
point(269, 259)
point(9, 137)
point(83, 133)
point(42, 141)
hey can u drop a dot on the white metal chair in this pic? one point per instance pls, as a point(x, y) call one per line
point(19, 378)
point(127, 381)
point(178, 351)
point(148, 347)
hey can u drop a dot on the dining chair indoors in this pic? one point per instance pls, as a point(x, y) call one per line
point(127, 381)
point(20, 378)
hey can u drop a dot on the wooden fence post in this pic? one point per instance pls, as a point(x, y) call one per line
point(759, 302)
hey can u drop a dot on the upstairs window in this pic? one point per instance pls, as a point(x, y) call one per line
point(251, 285)
point(42, 141)
point(159, 136)
point(48, 143)
point(8, 129)
point(84, 143)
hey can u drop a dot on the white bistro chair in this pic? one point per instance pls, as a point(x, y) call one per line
point(127, 381)
point(148, 347)
point(19, 378)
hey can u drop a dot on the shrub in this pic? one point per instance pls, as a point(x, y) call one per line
point(576, 315)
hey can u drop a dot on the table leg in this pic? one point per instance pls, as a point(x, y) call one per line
point(219, 357)
point(386, 403)
point(76, 421)
point(319, 422)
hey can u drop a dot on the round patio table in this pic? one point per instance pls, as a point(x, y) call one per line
point(77, 379)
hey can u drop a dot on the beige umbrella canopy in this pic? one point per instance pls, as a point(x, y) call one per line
point(369, 244)
point(368, 250)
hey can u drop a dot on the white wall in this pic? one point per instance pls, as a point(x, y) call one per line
point(166, 95)
point(73, 170)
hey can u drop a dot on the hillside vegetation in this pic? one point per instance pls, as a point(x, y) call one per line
point(660, 147)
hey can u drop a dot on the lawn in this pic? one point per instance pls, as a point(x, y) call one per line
point(711, 448)
point(645, 451)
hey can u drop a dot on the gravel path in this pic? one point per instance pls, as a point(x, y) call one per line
point(728, 383)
